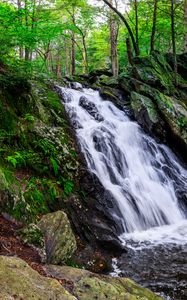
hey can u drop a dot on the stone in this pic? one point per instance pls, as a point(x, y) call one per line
point(172, 110)
point(91, 286)
point(90, 108)
point(60, 241)
point(146, 114)
point(19, 281)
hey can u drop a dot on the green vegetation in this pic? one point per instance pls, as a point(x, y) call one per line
point(37, 154)
point(44, 39)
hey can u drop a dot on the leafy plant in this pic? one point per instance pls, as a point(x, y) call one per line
point(68, 186)
point(29, 118)
point(55, 165)
point(17, 159)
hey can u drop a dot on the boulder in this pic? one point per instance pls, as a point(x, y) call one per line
point(60, 241)
point(87, 285)
point(19, 281)
point(90, 108)
point(147, 115)
point(173, 112)
point(96, 215)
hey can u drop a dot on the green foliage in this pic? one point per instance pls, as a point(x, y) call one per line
point(55, 165)
point(29, 118)
point(46, 146)
point(68, 186)
point(32, 235)
point(16, 160)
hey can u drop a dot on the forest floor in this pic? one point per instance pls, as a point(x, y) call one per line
point(11, 245)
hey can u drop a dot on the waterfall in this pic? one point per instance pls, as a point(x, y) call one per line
point(143, 176)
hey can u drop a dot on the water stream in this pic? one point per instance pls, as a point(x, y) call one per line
point(146, 179)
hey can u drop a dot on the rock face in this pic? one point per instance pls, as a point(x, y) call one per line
point(87, 285)
point(19, 281)
point(92, 215)
point(159, 105)
point(147, 115)
point(163, 112)
point(60, 242)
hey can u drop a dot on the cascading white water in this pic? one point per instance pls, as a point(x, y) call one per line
point(138, 172)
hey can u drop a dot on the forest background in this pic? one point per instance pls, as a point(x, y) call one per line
point(67, 37)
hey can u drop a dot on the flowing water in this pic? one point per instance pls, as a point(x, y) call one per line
point(145, 178)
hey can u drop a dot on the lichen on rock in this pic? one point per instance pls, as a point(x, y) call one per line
point(60, 241)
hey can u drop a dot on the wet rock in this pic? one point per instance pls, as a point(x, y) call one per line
point(19, 281)
point(91, 286)
point(76, 86)
point(95, 215)
point(60, 242)
point(147, 115)
point(158, 267)
point(90, 108)
point(173, 112)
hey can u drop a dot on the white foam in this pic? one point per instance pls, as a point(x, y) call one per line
point(134, 168)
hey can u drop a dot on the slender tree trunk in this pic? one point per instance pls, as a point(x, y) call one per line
point(129, 51)
point(27, 25)
point(85, 55)
point(73, 66)
point(136, 49)
point(113, 42)
point(136, 24)
point(58, 65)
point(152, 47)
point(21, 54)
point(185, 24)
point(66, 57)
point(173, 39)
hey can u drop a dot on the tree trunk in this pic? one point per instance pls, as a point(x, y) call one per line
point(136, 24)
point(27, 25)
point(21, 54)
point(67, 57)
point(173, 39)
point(152, 48)
point(185, 24)
point(113, 43)
point(73, 66)
point(129, 51)
point(136, 49)
point(85, 55)
point(58, 65)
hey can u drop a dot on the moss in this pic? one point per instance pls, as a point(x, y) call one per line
point(18, 280)
point(140, 102)
point(35, 143)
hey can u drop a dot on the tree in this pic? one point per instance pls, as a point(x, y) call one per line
point(113, 42)
point(185, 26)
point(135, 46)
point(173, 39)
point(152, 48)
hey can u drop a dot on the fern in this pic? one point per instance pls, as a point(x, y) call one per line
point(55, 165)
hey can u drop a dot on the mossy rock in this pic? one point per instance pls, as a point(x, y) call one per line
point(108, 81)
point(88, 285)
point(173, 111)
point(60, 243)
point(147, 115)
point(19, 281)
